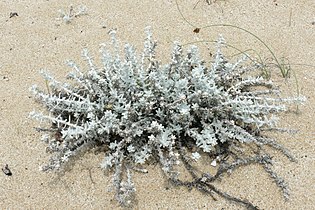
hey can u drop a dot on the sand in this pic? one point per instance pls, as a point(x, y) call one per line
point(37, 39)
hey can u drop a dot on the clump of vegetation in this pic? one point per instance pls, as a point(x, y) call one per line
point(67, 17)
point(139, 110)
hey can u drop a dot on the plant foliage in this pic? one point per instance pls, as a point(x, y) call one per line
point(140, 110)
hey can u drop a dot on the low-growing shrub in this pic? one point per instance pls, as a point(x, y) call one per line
point(139, 110)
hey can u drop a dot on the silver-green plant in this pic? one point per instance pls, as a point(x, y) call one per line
point(73, 13)
point(139, 110)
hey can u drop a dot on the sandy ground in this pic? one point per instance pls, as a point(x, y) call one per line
point(37, 39)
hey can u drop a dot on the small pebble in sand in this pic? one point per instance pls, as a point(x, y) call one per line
point(6, 170)
point(13, 14)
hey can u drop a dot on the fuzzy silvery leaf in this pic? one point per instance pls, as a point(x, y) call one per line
point(195, 156)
